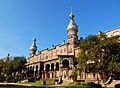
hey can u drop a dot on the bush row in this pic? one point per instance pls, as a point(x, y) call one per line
point(83, 85)
point(42, 81)
point(10, 78)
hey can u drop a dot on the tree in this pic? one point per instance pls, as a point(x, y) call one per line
point(2, 77)
point(87, 49)
point(19, 63)
point(8, 66)
point(11, 67)
point(19, 66)
point(110, 55)
point(102, 52)
point(114, 56)
point(1, 65)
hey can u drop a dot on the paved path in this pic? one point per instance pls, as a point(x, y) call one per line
point(16, 85)
point(113, 83)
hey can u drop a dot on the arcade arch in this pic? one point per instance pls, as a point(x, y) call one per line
point(52, 67)
point(57, 66)
point(65, 63)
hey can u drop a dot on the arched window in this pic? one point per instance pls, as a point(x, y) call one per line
point(64, 50)
point(57, 66)
point(61, 51)
point(52, 67)
point(116, 33)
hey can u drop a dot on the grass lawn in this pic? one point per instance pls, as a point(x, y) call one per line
point(37, 83)
point(64, 84)
point(41, 82)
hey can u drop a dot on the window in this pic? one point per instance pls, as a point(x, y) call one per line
point(108, 35)
point(43, 56)
point(52, 53)
point(49, 54)
point(83, 75)
point(96, 75)
point(116, 33)
point(64, 49)
point(40, 57)
point(61, 51)
point(46, 55)
point(88, 75)
point(57, 51)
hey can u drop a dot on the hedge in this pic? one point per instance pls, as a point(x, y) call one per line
point(83, 85)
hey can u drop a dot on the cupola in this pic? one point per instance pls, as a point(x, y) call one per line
point(33, 47)
point(72, 24)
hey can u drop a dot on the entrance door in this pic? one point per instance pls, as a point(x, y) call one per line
point(65, 69)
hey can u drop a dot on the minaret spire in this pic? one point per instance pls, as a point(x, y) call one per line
point(33, 47)
point(71, 11)
point(71, 16)
point(72, 24)
point(72, 30)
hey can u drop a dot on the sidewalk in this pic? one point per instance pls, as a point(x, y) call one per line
point(15, 84)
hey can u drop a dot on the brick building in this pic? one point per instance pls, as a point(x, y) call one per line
point(59, 59)
point(113, 32)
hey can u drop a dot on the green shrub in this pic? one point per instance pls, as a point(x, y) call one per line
point(31, 79)
point(50, 81)
point(78, 86)
point(37, 78)
point(37, 83)
point(2, 78)
point(77, 83)
point(17, 77)
point(9, 78)
point(92, 84)
point(74, 76)
point(83, 85)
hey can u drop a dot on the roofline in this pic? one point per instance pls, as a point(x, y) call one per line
point(42, 50)
point(112, 29)
point(52, 48)
point(63, 44)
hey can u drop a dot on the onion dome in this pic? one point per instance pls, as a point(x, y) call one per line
point(33, 46)
point(72, 24)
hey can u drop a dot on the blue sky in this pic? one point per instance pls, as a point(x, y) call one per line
point(21, 20)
